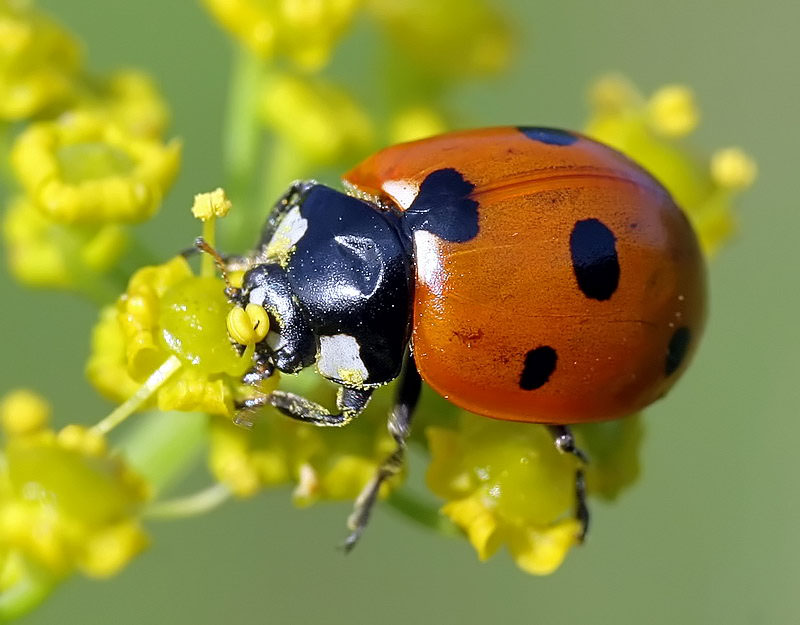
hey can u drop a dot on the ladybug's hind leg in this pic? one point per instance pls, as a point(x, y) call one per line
point(399, 425)
point(565, 443)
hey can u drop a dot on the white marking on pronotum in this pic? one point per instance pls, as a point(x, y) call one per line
point(340, 353)
point(289, 231)
point(257, 295)
point(402, 191)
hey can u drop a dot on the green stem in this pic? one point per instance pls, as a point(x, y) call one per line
point(6, 176)
point(422, 513)
point(283, 166)
point(190, 505)
point(27, 593)
point(150, 386)
point(242, 146)
point(164, 446)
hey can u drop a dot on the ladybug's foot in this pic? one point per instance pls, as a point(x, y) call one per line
point(565, 443)
point(399, 426)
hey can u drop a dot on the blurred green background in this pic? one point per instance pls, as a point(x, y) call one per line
point(707, 535)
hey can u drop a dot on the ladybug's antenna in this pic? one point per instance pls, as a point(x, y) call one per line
point(203, 246)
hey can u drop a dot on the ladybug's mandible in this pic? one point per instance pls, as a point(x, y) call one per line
point(526, 274)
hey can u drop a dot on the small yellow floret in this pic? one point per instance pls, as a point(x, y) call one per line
point(673, 111)
point(305, 31)
point(23, 412)
point(613, 94)
point(212, 204)
point(416, 122)
point(248, 325)
point(732, 168)
point(82, 439)
point(105, 553)
point(39, 62)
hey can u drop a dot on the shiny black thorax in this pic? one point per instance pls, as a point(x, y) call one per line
point(335, 275)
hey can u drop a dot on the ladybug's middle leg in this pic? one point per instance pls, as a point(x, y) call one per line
point(399, 425)
point(565, 443)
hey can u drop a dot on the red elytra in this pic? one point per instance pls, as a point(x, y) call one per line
point(582, 296)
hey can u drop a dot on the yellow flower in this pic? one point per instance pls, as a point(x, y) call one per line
point(649, 131)
point(39, 61)
point(447, 37)
point(44, 253)
point(131, 99)
point(319, 120)
point(66, 502)
point(83, 168)
point(322, 463)
point(505, 483)
point(304, 30)
point(168, 311)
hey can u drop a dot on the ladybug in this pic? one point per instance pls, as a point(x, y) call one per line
point(524, 273)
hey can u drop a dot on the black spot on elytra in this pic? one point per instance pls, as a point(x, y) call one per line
point(539, 366)
point(443, 207)
point(677, 348)
point(594, 258)
point(550, 136)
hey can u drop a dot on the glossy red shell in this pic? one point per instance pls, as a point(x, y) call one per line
point(483, 306)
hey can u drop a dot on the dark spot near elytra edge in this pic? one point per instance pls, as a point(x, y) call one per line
point(443, 207)
point(539, 366)
point(550, 136)
point(677, 348)
point(594, 259)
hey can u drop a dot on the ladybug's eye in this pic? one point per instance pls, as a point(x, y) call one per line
point(248, 325)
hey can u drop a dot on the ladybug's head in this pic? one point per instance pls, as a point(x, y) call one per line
point(265, 306)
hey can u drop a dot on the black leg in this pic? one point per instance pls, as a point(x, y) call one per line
point(349, 401)
point(263, 368)
point(293, 197)
point(565, 443)
point(399, 425)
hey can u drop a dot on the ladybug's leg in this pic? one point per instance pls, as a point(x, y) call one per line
point(399, 425)
point(293, 196)
point(565, 443)
point(349, 401)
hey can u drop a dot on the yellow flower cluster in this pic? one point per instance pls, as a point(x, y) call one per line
point(650, 131)
point(39, 62)
point(83, 168)
point(66, 501)
point(303, 30)
point(505, 483)
point(92, 161)
point(167, 311)
point(317, 122)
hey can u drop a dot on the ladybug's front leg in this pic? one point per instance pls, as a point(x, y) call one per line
point(349, 401)
point(399, 425)
point(565, 443)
